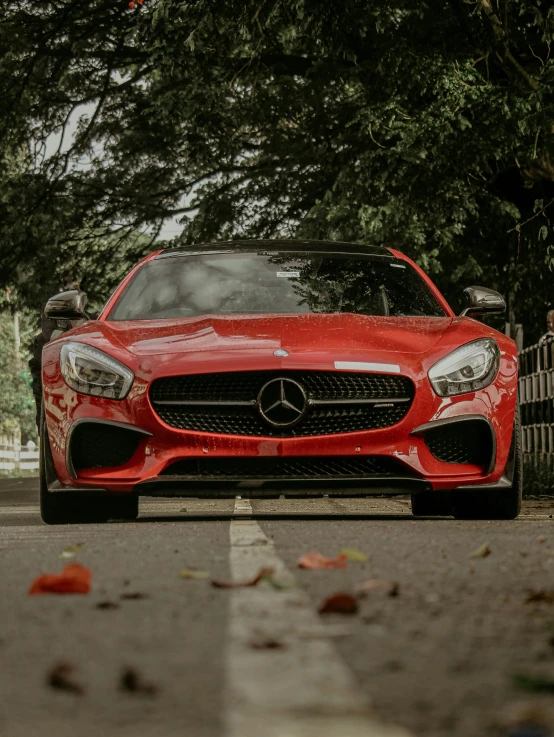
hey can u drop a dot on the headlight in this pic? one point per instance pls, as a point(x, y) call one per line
point(90, 371)
point(467, 369)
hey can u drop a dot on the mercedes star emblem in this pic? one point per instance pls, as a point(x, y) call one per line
point(282, 402)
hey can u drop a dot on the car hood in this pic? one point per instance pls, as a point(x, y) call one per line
point(305, 333)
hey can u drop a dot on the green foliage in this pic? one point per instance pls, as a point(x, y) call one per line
point(17, 407)
point(425, 126)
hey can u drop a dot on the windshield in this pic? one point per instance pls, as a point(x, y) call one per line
point(278, 283)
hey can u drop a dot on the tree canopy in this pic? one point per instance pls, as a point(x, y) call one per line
point(425, 126)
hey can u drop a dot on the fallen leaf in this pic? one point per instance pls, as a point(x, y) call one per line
point(540, 596)
point(262, 573)
point(270, 579)
point(339, 603)
point(363, 589)
point(534, 684)
point(313, 561)
point(74, 579)
point(133, 682)
point(542, 538)
point(481, 552)
point(134, 595)
point(194, 573)
point(61, 678)
point(265, 642)
point(107, 605)
point(353, 554)
point(74, 548)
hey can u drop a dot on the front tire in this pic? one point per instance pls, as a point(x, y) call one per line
point(432, 504)
point(66, 508)
point(496, 503)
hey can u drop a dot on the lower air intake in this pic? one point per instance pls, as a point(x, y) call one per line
point(99, 445)
point(299, 467)
point(469, 441)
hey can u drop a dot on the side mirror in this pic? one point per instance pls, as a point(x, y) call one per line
point(482, 301)
point(70, 305)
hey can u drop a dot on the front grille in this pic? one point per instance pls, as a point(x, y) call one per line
point(299, 467)
point(99, 445)
point(469, 441)
point(337, 402)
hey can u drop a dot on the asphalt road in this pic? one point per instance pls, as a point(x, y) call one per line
point(458, 651)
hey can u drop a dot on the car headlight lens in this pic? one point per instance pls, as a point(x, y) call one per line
point(90, 371)
point(467, 369)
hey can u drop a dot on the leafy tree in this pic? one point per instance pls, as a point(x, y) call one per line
point(425, 126)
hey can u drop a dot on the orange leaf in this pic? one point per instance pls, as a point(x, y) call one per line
point(339, 603)
point(74, 579)
point(313, 561)
point(262, 573)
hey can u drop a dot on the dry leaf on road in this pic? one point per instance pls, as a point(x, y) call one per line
point(262, 573)
point(261, 641)
point(134, 595)
point(194, 574)
point(133, 682)
point(61, 678)
point(353, 554)
point(339, 603)
point(313, 561)
point(74, 579)
point(543, 596)
point(481, 552)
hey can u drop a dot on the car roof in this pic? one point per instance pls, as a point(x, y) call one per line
point(278, 245)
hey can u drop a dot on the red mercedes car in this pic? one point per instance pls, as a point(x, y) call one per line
point(268, 368)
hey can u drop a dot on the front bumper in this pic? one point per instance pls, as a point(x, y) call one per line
point(157, 446)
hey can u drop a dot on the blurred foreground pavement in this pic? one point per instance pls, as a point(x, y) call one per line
point(466, 647)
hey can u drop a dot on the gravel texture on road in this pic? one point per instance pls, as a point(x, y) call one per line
point(447, 655)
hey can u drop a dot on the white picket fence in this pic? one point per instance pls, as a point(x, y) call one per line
point(15, 458)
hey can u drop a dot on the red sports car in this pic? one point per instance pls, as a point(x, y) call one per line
point(268, 368)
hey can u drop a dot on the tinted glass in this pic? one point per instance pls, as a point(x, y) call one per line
point(289, 283)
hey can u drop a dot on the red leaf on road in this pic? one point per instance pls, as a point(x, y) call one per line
point(339, 603)
point(74, 579)
point(313, 561)
point(262, 573)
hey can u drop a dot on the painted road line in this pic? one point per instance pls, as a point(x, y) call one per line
point(242, 507)
point(284, 677)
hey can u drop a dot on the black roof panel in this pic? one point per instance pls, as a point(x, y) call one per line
point(280, 245)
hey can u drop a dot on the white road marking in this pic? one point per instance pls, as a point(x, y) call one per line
point(301, 689)
point(242, 506)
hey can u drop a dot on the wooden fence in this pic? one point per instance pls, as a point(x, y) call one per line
point(536, 397)
point(17, 459)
